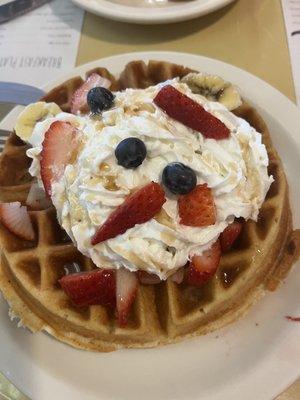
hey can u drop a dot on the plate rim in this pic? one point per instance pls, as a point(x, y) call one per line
point(176, 13)
point(171, 56)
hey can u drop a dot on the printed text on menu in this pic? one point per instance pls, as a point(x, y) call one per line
point(41, 45)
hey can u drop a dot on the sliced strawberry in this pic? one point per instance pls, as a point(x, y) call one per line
point(148, 279)
point(126, 284)
point(91, 287)
point(230, 234)
point(59, 145)
point(202, 268)
point(16, 219)
point(178, 276)
point(37, 199)
point(197, 208)
point(138, 208)
point(190, 113)
point(79, 98)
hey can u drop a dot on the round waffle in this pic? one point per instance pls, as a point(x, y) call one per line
point(162, 313)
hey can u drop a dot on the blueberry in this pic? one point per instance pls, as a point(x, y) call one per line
point(99, 99)
point(131, 152)
point(179, 178)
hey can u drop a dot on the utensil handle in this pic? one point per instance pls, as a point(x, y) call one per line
point(17, 8)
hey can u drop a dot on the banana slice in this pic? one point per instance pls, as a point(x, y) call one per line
point(214, 88)
point(32, 114)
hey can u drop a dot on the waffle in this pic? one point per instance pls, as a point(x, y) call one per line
point(163, 313)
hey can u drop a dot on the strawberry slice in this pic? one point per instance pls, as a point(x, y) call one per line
point(178, 276)
point(91, 287)
point(138, 208)
point(16, 219)
point(230, 234)
point(59, 145)
point(37, 199)
point(79, 98)
point(197, 208)
point(126, 286)
point(148, 279)
point(202, 268)
point(190, 113)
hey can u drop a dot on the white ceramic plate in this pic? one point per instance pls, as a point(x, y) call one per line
point(151, 11)
point(255, 358)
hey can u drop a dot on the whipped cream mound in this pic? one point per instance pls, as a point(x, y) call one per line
point(92, 187)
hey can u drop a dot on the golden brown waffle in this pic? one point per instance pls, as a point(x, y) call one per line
point(162, 313)
point(15, 180)
point(62, 94)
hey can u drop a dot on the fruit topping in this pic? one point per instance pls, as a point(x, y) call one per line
point(197, 208)
point(99, 99)
point(178, 276)
point(202, 268)
point(190, 113)
point(79, 98)
point(59, 145)
point(16, 219)
point(214, 88)
point(131, 152)
point(37, 199)
point(137, 208)
point(91, 287)
point(230, 234)
point(179, 178)
point(72, 268)
point(148, 279)
point(33, 113)
point(126, 289)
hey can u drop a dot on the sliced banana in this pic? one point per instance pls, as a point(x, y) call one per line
point(214, 88)
point(32, 114)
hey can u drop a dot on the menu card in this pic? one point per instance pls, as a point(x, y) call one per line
point(41, 45)
point(291, 11)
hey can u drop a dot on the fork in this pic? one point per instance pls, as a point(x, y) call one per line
point(17, 93)
point(3, 136)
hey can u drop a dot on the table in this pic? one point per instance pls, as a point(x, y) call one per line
point(248, 33)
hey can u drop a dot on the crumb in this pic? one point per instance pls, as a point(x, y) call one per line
point(256, 324)
point(293, 319)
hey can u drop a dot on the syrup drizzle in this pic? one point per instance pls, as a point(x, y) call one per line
point(229, 275)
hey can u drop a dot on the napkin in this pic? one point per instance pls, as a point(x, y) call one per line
point(291, 11)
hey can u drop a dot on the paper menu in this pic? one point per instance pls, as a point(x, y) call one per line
point(41, 45)
point(291, 11)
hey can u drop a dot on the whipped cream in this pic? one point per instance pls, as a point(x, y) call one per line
point(92, 187)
